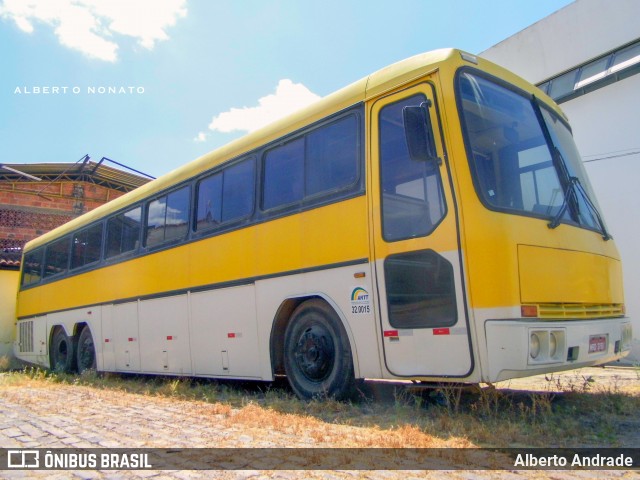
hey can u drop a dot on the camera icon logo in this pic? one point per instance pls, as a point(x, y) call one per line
point(23, 459)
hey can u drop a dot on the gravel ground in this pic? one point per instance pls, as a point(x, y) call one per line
point(66, 416)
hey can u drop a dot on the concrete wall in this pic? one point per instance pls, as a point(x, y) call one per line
point(8, 291)
point(606, 126)
point(569, 37)
point(605, 122)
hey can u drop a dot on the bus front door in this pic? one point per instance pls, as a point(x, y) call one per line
point(420, 292)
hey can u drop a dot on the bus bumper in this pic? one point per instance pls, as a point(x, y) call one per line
point(520, 348)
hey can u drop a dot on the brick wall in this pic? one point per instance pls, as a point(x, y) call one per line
point(29, 209)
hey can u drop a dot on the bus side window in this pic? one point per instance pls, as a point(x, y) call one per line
point(32, 269)
point(226, 196)
point(167, 218)
point(56, 257)
point(238, 190)
point(332, 156)
point(123, 232)
point(284, 175)
point(209, 209)
point(322, 162)
point(86, 247)
point(413, 201)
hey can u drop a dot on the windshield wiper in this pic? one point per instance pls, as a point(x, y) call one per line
point(571, 190)
point(603, 229)
point(574, 186)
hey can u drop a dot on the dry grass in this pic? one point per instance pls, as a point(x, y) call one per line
point(5, 363)
point(572, 413)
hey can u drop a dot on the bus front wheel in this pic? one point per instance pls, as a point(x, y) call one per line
point(86, 351)
point(317, 355)
point(62, 354)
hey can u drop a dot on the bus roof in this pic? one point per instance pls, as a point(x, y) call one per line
point(371, 86)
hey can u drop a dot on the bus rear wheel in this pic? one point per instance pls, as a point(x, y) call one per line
point(62, 352)
point(86, 355)
point(317, 355)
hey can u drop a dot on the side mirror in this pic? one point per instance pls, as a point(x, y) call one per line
point(419, 133)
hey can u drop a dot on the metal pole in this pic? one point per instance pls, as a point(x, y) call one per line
point(13, 170)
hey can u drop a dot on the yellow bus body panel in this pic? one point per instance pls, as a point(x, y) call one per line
point(490, 239)
point(567, 264)
point(292, 243)
point(550, 275)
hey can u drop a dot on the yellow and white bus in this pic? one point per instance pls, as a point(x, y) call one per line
point(431, 222)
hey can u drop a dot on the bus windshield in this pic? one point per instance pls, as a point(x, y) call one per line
point(522, 156)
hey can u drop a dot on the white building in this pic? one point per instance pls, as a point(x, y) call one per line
point(587, 57)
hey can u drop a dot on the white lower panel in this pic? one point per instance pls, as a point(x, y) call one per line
point(164, 335)
point(427, 352)
point(221, 332)
point(224, 339)
point(124, 339)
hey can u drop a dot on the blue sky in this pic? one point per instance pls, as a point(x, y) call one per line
point(203, 72)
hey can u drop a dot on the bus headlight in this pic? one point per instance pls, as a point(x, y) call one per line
point(553, 345)
point(626, 336)
point(534, 346)
point(546, 346)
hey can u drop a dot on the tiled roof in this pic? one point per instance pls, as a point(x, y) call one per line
point(87, 171)
point(10, 260)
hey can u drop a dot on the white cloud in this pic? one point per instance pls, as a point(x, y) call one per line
point(288, 98)
point(23, 24)
point(93, 26)
point(201, 137)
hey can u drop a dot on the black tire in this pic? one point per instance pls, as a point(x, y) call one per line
point(317, 354)
point(86, 355)
point(62, 352)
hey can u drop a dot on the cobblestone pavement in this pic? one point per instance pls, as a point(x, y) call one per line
point(66, 416)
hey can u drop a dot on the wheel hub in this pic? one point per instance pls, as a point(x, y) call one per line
point(314, 354)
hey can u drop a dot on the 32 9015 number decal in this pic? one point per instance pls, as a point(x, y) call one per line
point(360, 301)
point(360, 309)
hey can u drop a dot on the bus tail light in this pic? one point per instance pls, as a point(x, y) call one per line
point(529, 311)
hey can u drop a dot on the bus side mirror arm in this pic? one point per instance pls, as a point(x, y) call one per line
point(419, 133)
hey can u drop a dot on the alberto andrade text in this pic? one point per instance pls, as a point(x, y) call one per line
point(575, 460)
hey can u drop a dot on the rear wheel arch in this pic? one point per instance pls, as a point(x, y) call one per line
point(282, 319)
point(278, 328)
point(62, 352)
point(311, 343)
point(85, 348)
point(78, 327)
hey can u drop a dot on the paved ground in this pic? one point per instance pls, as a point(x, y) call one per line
point(63, 416)
point(612, 377)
